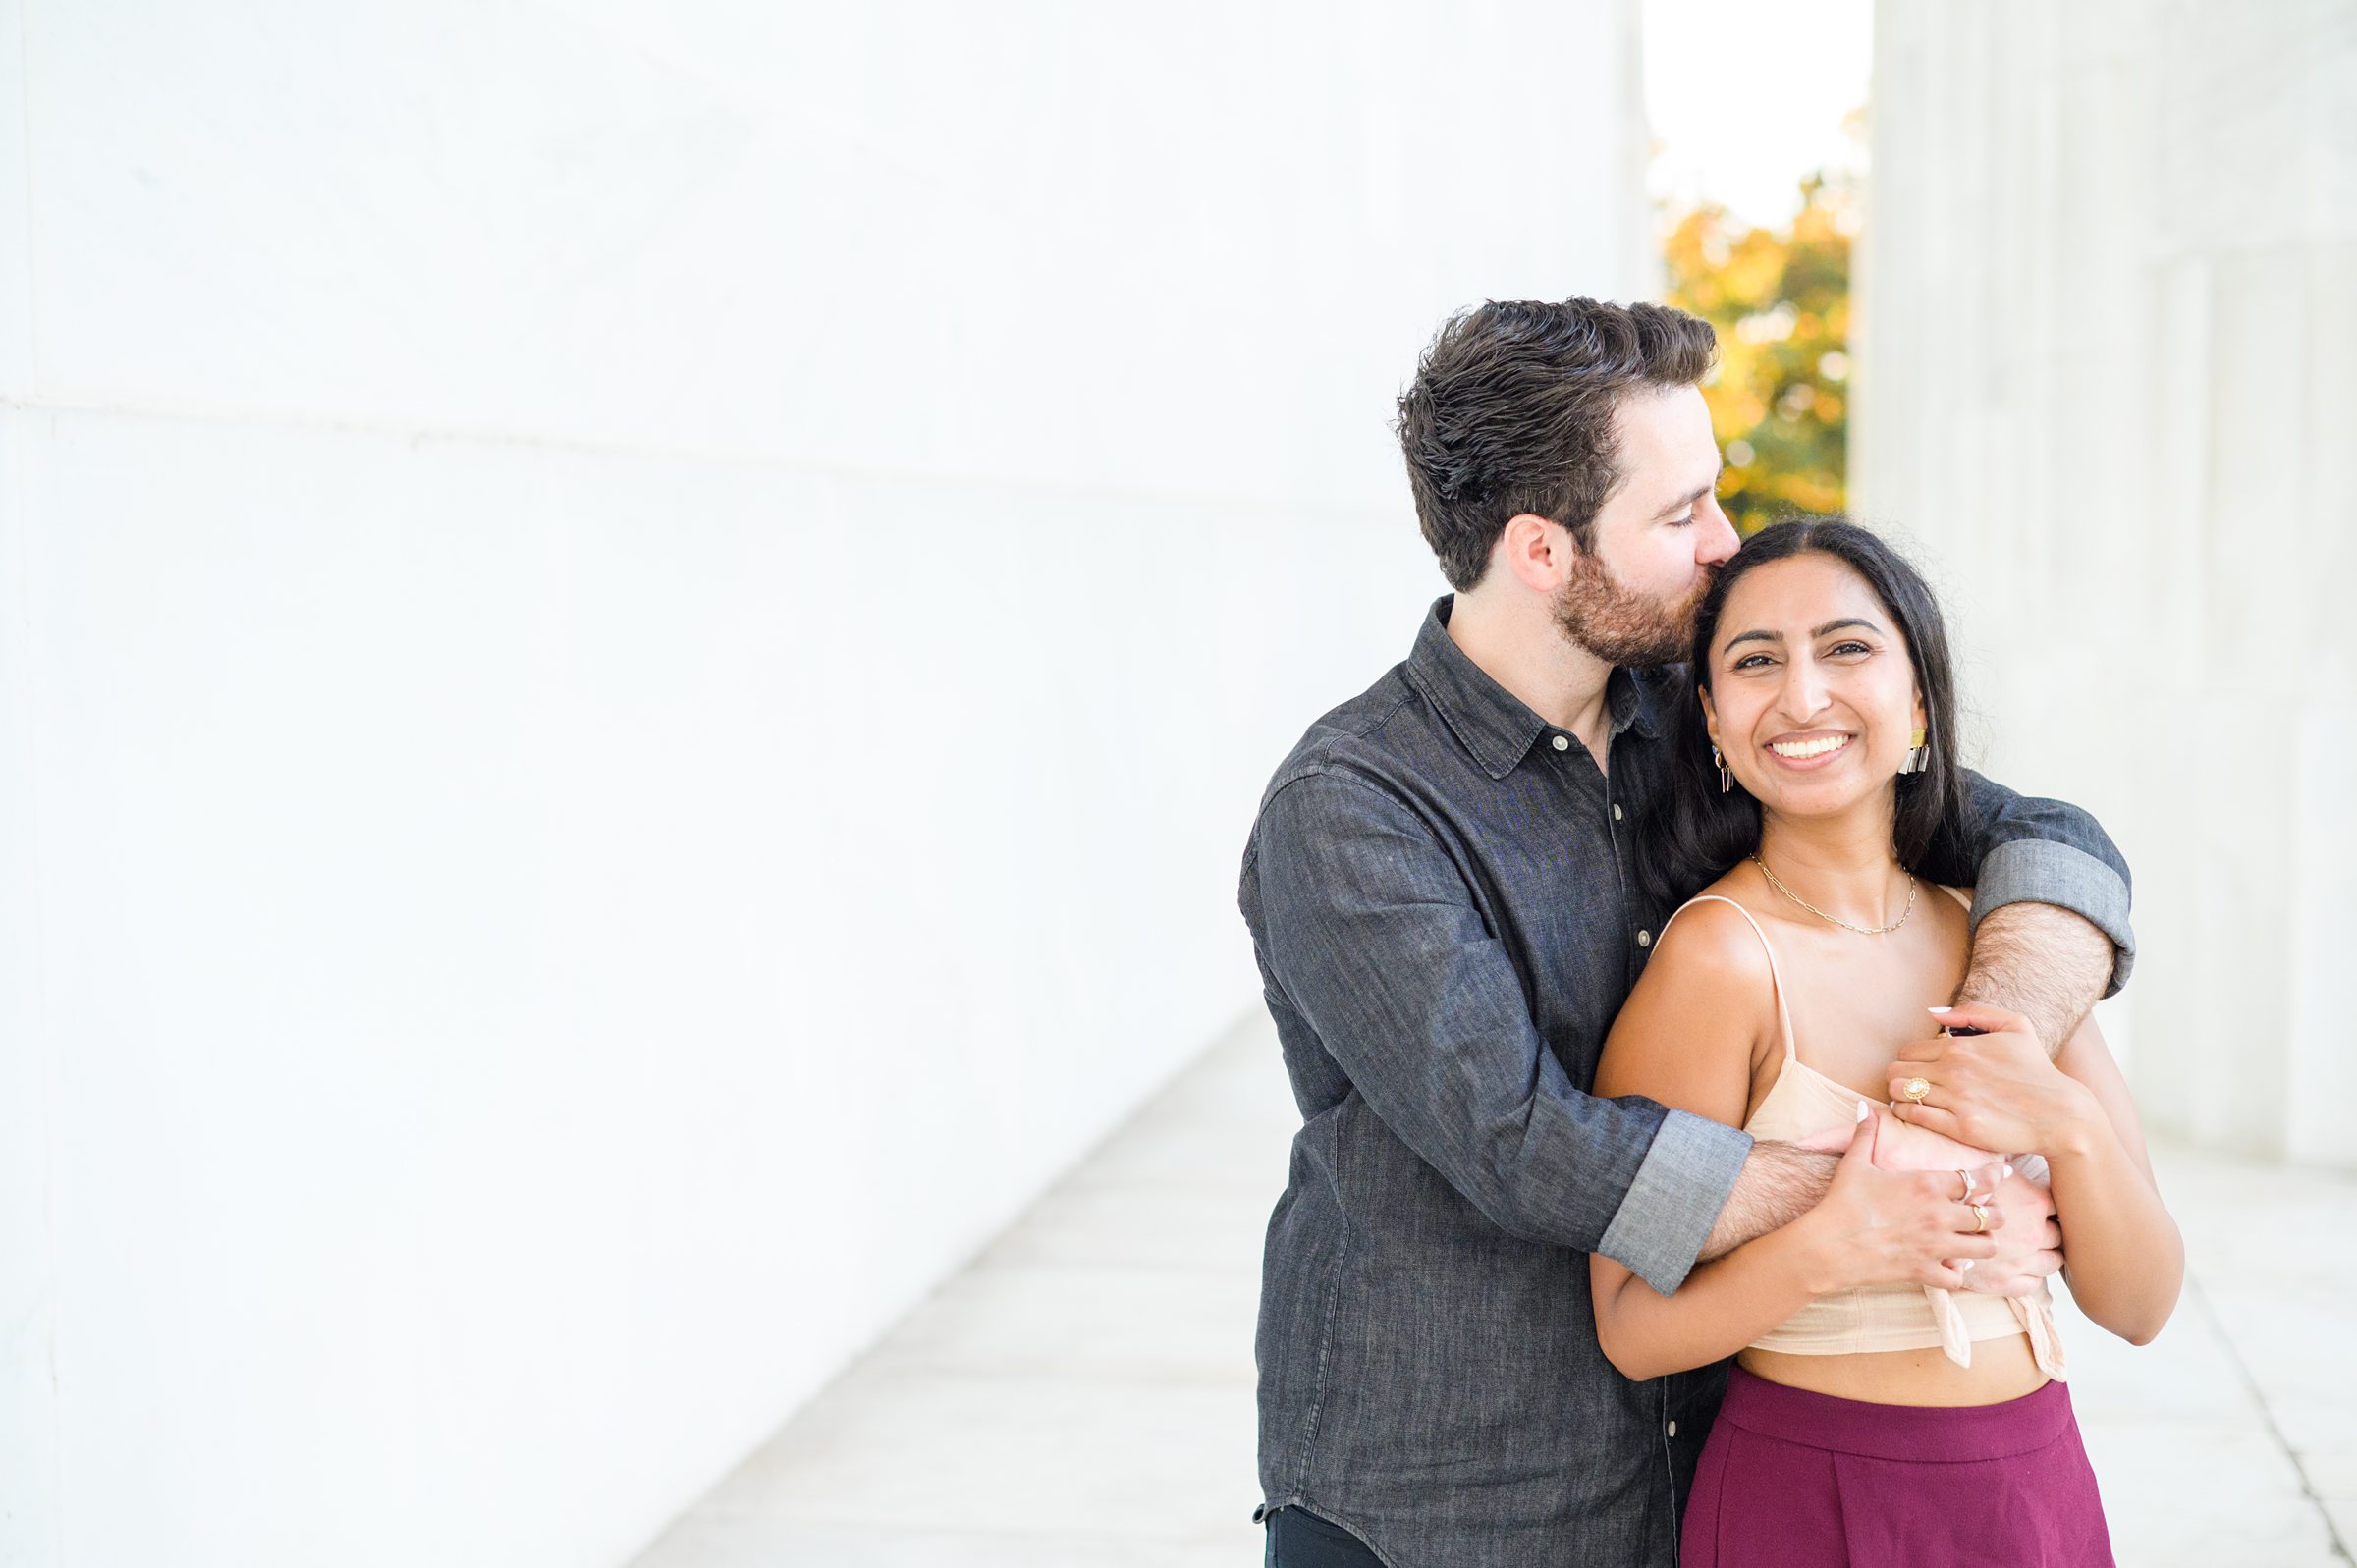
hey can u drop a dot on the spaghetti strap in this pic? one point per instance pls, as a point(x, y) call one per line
point(1775, 981)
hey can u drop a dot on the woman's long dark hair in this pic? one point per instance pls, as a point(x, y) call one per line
point(1693, 833)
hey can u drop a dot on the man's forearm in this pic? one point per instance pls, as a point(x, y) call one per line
point(2039, 960)
point(1779, 1183)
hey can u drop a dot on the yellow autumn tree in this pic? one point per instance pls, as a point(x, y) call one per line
point(1779, 299)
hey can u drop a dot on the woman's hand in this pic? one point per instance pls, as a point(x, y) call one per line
point(1997, 1090)
point(2029, 1244)
point(2029, 1247)
point(1879, 1226)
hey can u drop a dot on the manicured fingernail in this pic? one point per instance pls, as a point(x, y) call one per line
point(1941, 1009)
point(1861, 1115)
point(2009, 1170)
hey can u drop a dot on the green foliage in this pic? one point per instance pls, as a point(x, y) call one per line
point(1779, 299)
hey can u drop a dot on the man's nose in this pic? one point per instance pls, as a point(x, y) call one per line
point(1719, 540)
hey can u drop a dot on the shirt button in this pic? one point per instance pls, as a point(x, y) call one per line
point(1562, 742)
point(1673, 1428)
point(1616, 811)
point(1644, 938)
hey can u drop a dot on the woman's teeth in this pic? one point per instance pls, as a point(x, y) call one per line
point(1800, 749)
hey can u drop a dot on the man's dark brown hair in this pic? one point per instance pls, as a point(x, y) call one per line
point(1511, 411)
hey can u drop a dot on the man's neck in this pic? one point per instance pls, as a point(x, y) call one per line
point(1519, 645)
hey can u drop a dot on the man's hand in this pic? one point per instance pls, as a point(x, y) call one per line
point(1899, 1146)
point(1882, 1228)
point(1997, 1090)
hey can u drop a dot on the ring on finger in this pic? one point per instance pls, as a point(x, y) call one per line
point(1916, 1089)
point(1970, 1177)
point(1980, 1219)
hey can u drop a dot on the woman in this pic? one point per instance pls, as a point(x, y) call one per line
point(1902, 1421)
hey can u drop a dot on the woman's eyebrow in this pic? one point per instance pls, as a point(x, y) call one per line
point(1828, 628)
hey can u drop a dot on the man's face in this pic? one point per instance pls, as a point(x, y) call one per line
point(1658, 540)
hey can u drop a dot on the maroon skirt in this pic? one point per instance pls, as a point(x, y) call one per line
point(1791, 1479)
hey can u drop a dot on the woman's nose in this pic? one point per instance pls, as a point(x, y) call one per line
point(1804, 694)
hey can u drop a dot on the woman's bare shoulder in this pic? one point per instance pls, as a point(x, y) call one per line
point(1713, 942)
point(1693, 1027)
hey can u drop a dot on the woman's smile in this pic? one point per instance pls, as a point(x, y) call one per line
point(1815, 748)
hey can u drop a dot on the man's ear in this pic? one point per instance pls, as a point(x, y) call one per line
point(1537, 552)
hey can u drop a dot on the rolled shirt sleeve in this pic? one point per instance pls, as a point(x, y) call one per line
point(2048, 851)
point(1667, 1211)
point(1375, 939)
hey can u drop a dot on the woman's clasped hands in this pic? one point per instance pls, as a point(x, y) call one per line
point(2020, 1246)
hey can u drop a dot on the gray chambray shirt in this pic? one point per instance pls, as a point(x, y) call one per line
point(1447, 918)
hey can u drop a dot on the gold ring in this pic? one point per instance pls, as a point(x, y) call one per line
point(1979, 1219)
point(1916, 1089)
point(1970, 1177)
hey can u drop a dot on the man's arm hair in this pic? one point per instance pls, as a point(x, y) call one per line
point(2039, 960)
point(2057, 860)
point(1779, 1183)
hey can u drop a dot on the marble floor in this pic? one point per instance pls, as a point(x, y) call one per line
point(1081, 1395)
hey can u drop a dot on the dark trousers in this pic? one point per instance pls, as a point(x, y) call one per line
point(1305, 1540)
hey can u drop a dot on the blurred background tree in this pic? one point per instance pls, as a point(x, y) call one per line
point(1780, 302)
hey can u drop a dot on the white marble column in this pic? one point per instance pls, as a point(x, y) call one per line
point(2107, 376)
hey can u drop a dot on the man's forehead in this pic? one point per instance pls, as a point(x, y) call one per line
point(1666, 434)
point(1668, 455)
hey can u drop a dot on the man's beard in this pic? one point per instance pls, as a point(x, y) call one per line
point(1622, 626)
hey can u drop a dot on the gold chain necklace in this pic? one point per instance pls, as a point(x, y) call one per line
point(1863, 930)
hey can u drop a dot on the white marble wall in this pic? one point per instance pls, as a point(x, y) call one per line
point(2105, 381)
point(635, 644)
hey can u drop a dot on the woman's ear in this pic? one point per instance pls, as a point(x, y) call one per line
point(1709, 714)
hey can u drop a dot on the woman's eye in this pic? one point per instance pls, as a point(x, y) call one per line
point(1751, 661)
point(1849, 647)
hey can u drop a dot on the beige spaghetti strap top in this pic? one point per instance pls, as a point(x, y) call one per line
point(1802, 1103)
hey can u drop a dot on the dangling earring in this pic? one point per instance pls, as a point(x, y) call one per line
point(1726, 781)
point(1919, 753)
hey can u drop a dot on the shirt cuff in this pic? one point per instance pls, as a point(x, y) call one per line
point(1659, 1230)
point(2042, 871)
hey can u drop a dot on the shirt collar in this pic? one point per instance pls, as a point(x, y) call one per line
point(1491, 722)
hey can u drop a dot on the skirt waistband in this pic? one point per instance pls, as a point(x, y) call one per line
point(1915, 1432)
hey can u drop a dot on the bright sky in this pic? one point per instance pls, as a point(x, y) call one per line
point(1748, 95)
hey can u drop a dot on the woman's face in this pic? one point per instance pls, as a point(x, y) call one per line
point(1812, 694)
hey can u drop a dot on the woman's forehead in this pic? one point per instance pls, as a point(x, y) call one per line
point(1799, 591)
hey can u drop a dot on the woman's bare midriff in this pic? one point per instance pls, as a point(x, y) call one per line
point(2001, 1369)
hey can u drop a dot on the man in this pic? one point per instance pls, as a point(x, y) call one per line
point(1440, 896)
